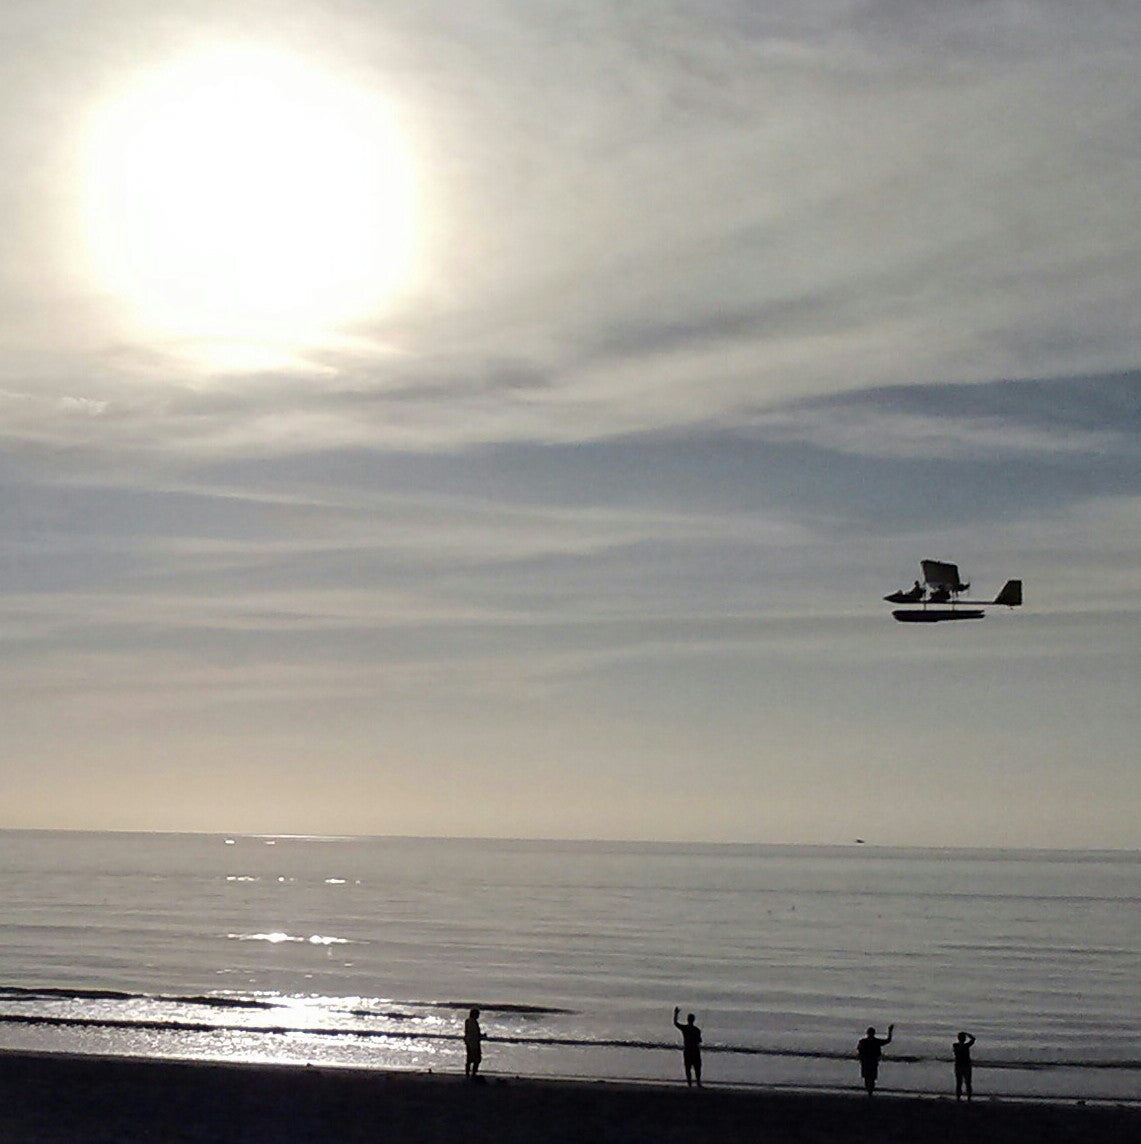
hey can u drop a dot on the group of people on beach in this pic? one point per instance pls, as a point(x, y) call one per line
point(869, 1050)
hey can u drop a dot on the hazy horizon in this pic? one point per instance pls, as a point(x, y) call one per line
point(692, 843)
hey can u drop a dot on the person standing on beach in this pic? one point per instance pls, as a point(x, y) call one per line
point(868, 1049)
point(473, 1043)
point(962, 1050)
point(690, 1047)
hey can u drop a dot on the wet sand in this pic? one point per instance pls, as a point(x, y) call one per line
point(82, 1100)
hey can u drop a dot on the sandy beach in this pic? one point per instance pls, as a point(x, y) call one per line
point(47, 1097)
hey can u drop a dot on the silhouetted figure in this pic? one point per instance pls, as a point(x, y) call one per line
point(868, 1049)
point(690, 1047)
point(912, 596)
point(962, 1050)
point(473, 1043)
point(939, 595)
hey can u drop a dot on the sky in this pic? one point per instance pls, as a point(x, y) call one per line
point(505, 419)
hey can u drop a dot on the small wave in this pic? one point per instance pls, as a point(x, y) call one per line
point(53, 993)
point(173, 1026)
point(503, 1007)
point(387, 1014)
point(222, 1002)
point(278, 936)
point(47, 992)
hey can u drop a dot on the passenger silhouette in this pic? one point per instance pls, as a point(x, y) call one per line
point(690, 1047)
point(962, 1050)
point(473, 1043)
point(911, 596)
point(868, 1049)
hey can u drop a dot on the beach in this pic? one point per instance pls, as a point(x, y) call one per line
point(103, 1100)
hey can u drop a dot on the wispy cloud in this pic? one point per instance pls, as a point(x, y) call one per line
point(1083, 419)
point(638, 218)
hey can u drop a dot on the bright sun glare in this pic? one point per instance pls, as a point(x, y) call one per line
point(243, 205)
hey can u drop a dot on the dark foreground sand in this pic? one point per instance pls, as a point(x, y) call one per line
point(84, 1099)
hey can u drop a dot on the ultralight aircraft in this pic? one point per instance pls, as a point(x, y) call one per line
point(942, 586)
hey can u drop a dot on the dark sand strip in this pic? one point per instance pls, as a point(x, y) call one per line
point(84, 1100)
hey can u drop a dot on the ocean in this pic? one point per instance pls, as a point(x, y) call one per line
point(369, 952)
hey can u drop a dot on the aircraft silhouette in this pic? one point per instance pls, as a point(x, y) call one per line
point(941, 585)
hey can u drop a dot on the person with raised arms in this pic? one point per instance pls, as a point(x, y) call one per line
point(690, 1047)
point(869, 1049)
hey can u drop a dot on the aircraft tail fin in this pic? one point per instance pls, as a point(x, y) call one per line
point(1011, 594)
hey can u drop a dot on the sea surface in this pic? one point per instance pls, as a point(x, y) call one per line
point(369, 951)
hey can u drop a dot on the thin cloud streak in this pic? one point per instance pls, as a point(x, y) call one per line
point(1088, 419)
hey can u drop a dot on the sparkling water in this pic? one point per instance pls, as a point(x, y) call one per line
point(369, 951)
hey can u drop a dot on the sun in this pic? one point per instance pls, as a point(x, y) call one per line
point(243, 205)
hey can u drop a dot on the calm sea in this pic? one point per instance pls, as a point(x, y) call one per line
point(368, 951)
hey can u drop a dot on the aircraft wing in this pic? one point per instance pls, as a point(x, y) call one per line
point(938, 574)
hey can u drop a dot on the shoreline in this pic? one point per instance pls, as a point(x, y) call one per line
point(89, 1099)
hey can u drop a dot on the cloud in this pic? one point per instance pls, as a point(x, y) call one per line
point(1089, 421)
point(640, 218)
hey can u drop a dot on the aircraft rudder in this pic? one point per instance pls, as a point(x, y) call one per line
point(1011, 594)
